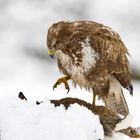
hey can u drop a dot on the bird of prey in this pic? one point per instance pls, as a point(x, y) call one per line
point(93, 56)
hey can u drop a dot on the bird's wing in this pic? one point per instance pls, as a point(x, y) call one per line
point(113, 52)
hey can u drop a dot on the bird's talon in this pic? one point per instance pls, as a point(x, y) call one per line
point(55, 86)
point(68, 90)
point(62, 80)
point(67, 86)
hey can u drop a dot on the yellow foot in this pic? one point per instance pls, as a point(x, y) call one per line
point(94, 100)
point(62, 80)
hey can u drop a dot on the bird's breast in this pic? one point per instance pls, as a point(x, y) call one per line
point(77, 68)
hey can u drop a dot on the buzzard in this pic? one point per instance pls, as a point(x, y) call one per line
point(93, 56)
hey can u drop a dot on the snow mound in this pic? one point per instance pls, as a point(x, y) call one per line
point(21, 120)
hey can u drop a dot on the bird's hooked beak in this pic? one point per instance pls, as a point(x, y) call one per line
point(51, 53)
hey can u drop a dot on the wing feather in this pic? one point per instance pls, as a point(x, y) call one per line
point(114, 54)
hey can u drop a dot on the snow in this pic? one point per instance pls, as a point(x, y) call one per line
point(125, 123)
point(138, 130)
point(24, 63)
point(21, 120)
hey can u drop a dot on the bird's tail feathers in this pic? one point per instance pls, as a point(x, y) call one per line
point(115, 100)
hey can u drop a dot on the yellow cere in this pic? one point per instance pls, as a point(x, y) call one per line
point(50, 52)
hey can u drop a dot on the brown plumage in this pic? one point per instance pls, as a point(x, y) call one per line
point(93, 56)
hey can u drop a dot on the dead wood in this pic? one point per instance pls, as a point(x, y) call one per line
point(131, 132)
point(21, 96)
point(108, 119)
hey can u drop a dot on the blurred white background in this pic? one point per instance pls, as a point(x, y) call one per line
point(24, 63)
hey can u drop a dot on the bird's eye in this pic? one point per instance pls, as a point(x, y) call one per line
point(54, 46)
point(55, 25)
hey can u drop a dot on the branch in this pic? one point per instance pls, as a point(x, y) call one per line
point(108, 119)
point(131, 132)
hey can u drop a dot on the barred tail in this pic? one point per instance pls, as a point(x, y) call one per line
point(115, 100)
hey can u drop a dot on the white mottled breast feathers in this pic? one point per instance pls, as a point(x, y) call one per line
point(88, 61)
point(89, 55)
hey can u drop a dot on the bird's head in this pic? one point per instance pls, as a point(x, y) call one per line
point(54, 38)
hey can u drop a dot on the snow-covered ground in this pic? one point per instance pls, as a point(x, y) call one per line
point(24, 63)
point(20, 120)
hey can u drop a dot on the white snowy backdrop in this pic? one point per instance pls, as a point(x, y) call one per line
point(24, 62)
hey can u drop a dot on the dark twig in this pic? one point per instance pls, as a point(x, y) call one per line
point(21, 96)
